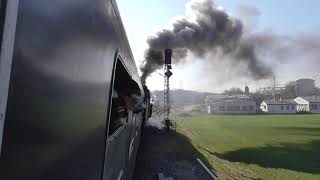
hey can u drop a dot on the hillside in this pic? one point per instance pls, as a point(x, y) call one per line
point(180, 97)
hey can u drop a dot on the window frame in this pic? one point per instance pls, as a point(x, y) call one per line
point(117, 59)
point(244, 108)
point(222, 108)
point(6, 56)
point(237, 108)
point(314, 106)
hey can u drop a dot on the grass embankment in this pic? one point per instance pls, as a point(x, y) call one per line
point(257, 147)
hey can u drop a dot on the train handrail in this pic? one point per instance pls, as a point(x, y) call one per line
point(210, 173)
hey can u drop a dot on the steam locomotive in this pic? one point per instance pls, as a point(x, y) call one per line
point(63, 62)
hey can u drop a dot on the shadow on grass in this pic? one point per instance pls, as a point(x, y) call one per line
point(301, 131)
point(159, 149)
point(291, 156)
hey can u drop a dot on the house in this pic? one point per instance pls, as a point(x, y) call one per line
point(235, 106)
point(302, 105)
point(308, 104)
point(279, 106)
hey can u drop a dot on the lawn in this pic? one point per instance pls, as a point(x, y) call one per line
point(257, 147)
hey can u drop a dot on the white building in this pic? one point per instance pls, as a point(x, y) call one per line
point(308, 104)
point(302, 105)
point(236, 106)
point(203, 108)
point(279, 106)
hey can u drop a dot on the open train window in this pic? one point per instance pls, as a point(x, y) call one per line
point(125, 94)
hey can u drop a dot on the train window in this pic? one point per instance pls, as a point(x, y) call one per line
point(125, 95)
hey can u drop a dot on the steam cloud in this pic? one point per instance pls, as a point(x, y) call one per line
point(247, 11)
point(206, 31)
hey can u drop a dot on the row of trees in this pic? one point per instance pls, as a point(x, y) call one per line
point(288, 92)
point(233, 91)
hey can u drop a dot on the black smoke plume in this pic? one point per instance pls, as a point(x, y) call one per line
point(205, 30)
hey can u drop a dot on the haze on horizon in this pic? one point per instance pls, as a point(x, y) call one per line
point(286, 35)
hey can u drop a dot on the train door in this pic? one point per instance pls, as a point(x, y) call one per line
point(119, 130)
point(8, 20)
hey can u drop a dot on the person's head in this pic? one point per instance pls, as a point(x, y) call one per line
point(130, 93)
point(130, 101)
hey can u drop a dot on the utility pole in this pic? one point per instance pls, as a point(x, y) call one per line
point(181, 84)
point(166, 95)
point(274, 87)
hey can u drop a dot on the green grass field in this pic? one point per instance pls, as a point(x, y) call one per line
point(257, 147)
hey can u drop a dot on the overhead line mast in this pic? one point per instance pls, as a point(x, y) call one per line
point(167, 75)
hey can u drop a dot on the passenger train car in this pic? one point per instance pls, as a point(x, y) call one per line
point(63, 62)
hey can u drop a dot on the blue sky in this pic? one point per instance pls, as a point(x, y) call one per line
point(284, 16)
point(287, 17)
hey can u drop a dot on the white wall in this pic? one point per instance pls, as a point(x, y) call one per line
point(232, 107)
point(264, 107)
point(276, 109)
point(315, 109)
point(302, 104)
